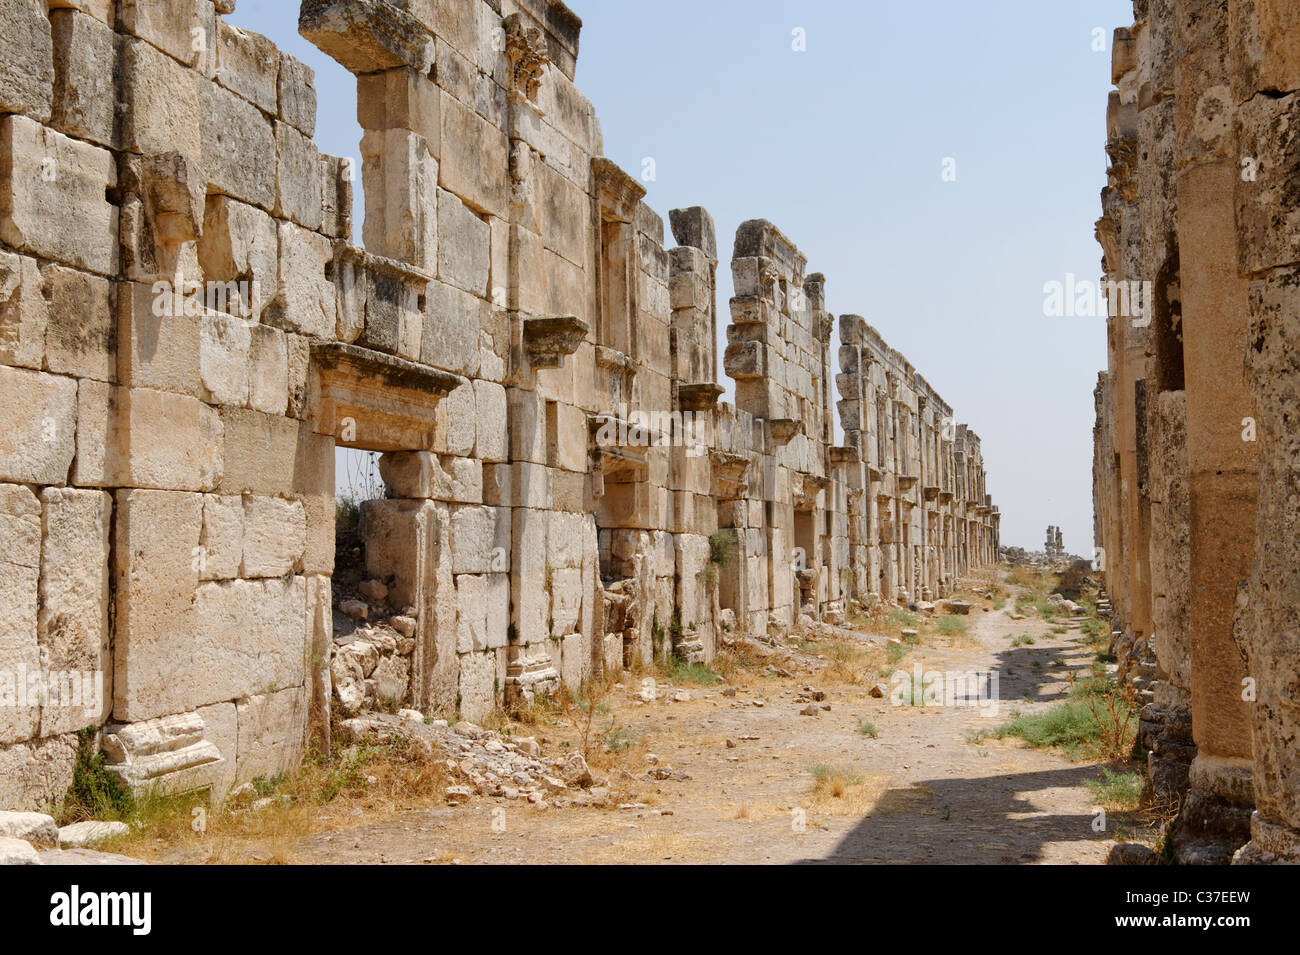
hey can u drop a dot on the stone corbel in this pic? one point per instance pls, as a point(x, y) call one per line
point(698, 397)
point(617, 192)
point(784, 429)
point(548, 339)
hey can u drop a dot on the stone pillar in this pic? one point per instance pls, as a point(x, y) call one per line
point(1265, 89)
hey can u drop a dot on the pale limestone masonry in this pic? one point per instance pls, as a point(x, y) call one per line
point(1196, 454)
point(188, 332)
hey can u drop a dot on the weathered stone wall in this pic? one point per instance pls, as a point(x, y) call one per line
point(924, 515)
point(1200, 122)
point(188, 331)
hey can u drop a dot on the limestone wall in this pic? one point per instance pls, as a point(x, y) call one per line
point(189, 328)
point(1193, 453)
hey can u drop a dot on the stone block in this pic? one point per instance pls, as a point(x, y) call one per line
point(240, 635)
point(473, 158)
point(366, 37)
point(37, 426)
point(451, 327)
point(569, 491)
point(238, 148)
point(694, 228)
point(38, 773)
point(296, 87)
point(336, 196)
point(85, 54)
point(400, 176)
point(473, 537)
point(26, 59)
point(492, 443)
point(161, 106)
point(305, 298)
point(528, 577)
point(567, 436)
point(24, 313)
point(566, 212)
point(272, 729)
point(298, 360)
point(313, 485)
point(498, 486)
point(248, 64)
point(158, 344)
point(455, 428)
point(566, 600)
point(240, 246)
point(463, 248)
point(275, 534)
point(269, 370)
point(224, 344)
point(477, 685)
point(184, 29)
point(221, 541)
point(744, 360)
point(422, 475)
point(81, 332)
point(400, 99)
point(52, 200)
point(531, 484)
point(20, 566)
point(72, 623)
point(297, 178)
point(1268, 221)
point(263, 451)
point(156, 536)
point(221, 729)
point(472, 612)
point(155, 439)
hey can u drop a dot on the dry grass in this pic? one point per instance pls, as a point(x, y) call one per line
point(844, 791)
point(752, 811)
point(320, 796)
point(655, 847)
point(850, 662)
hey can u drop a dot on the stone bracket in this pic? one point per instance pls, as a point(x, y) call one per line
point(548, 339)
point(371, 400)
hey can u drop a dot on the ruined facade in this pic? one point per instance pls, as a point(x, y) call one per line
point(188, 331)
point(1196, 451)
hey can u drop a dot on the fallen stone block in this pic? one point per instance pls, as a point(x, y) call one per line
point(35, 828)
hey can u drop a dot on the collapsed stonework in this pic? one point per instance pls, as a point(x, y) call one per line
point(188, 332)
point(1195, 444)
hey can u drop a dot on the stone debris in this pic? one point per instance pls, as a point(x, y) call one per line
point(489, 763)
point(17, 852)
point(80, 835)
point(33, 827)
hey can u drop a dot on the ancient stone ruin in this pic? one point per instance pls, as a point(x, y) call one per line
point(1196, 449)
point(189, 329)
point(1054, 546)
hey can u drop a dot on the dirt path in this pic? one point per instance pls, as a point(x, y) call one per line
point(924, 792)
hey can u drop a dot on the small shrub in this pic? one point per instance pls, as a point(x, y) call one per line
point(696, 673)
point(951, 626)
point(867, 728)
point(1117, 790)
point(897, 651)
point(95, 793)
point(722, 547)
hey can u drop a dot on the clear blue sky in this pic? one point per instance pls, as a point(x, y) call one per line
point(842, 145)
